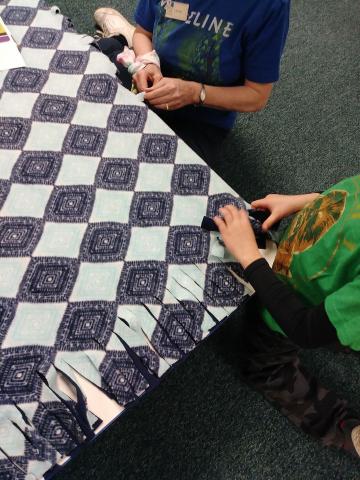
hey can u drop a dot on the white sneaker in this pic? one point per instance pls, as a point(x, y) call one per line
point(355, 437)
point(112, 23)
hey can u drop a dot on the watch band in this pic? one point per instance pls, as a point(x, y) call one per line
point(202, 95)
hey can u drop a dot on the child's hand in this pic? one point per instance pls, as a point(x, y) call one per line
point(281, 206)
point(238, 235)
point(150, 75)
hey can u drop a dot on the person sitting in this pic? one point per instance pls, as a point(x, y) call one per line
point(222, 56)
point(310, 298)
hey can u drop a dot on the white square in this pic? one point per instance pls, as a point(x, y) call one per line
point(11, 438)
point(154, 177)
point(60, 84)
point(74, 41)
point(138, 317)
point(46, 19)
point(18, 32)
point(93, 114)
point(111, 206)
point(218, 185)
point(11, 273)
point(37, 57)
point(184, 154)
point(77, 170)
point(188, 210)
point(46, 136)
point(60, 240)
point(24, 3)
point(148, 243)
point(154, 124)
point(22, 107)
point(26, 201)
point(123, 145)
point(99, 64)
point(7, 161)
point(35, 324)
point(185, 282)
point(97, 281)
point(125, 97)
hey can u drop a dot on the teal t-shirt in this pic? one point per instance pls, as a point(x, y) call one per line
point(319, 256)
point(221, 43)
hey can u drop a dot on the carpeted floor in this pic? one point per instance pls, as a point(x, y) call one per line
point(202, 423)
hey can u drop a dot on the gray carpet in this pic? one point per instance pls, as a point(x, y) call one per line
point(202, 423)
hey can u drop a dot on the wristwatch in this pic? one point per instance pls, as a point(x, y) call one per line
point(202, 95)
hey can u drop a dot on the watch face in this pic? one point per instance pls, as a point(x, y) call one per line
point(202, 94)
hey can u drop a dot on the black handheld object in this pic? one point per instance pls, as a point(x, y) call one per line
point(260, 215)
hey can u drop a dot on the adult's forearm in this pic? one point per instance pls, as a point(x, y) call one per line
point(142, 42)
point(238, 99)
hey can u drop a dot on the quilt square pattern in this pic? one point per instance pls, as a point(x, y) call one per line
point(105, 242)
point(117, 174)
point(19, 236)
point(48, 280)
point(151, 209)
point(86, 326)
point(97, 88)
point(13, 133)
point(37, 167)
point(70, 204)
point(103, 264)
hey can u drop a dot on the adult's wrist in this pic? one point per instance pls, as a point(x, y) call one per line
point(196, 92)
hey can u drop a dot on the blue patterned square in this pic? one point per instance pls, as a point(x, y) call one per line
point(157, 148)
point(4, 190)
point(37, 167)
point(98, 89)
point(54, 421)
point(190, 180)
point(41, 38)
point(86, 325)
point(220, 200)
point(105, 242)
point(10, 472)
point(54, 108)
point(13, 133)
point(178, 329)
point(122, 378)
point(127, 118)
point(25, 80)
point(187, 244)
point(18, 15)
point(19, 236)
point(151, 209)
point(84, 141)
point(48, 279)
point(7, 312)
point(221, 288)
point(142, 282)
point(69, 62)
point(19, 380)
point(70, 204)
point(117, 174)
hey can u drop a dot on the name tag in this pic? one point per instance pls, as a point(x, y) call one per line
point(177, 10)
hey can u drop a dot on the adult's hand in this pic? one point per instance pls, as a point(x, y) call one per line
point(281, 206)
point(237, 233)
point(150, 75)
point(172, 93)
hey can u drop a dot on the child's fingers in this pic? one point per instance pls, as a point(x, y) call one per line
point(226, 214)
point(269, 222)
point(260, 203)
point(219, 223)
